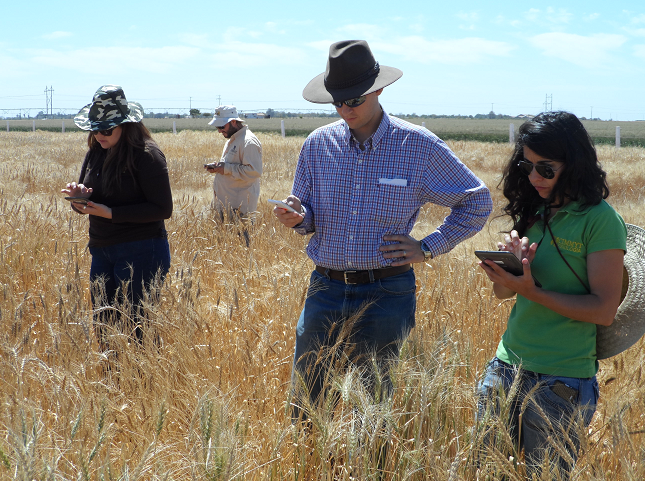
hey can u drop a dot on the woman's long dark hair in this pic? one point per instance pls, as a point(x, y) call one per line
point(558, 136)
point(135, 137)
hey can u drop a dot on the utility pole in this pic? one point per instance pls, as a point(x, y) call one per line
point(219, 100)
point(592, 112)
point(49, 100)
point(190, 103)
point(548, 103)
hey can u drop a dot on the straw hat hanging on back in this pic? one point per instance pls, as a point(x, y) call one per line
point(629, 324)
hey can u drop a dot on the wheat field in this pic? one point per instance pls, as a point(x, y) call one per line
point(210, 401)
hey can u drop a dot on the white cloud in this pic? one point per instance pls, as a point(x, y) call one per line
point(461, 51)
point(361, 30)
point(532, 15)
point(255, 55)
point(551, 16)
point(638, 19)
point(639, 51)
point(468, 16)
point(591, 17)
point(117, 59)
point(635, 32)
point(558, 16)
point(590, 51)
point(416, 27)
point(321, 45)
point(57, 35)
point(273, 27)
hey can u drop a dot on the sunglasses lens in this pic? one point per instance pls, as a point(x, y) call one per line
point(525, 167)
point(355, 102)
point(351, 103)
point(104, 133)
point(545, 171)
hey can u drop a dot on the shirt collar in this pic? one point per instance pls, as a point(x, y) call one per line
point(574, 207)
point(232, 137)
point(375, 139)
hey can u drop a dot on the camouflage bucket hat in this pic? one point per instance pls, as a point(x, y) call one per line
point(108, 109)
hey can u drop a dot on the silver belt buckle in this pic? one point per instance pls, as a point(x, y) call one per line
point(345, 275)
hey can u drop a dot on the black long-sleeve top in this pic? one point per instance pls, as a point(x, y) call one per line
point(139, 204)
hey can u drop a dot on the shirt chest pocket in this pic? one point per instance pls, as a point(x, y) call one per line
point(232, 157)
point(392, 204)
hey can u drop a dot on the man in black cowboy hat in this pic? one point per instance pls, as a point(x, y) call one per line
point(359, 185)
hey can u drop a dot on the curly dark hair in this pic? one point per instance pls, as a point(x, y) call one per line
point(558, 136)
point(134, 137)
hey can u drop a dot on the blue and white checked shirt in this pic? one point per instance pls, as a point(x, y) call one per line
point(352, 198)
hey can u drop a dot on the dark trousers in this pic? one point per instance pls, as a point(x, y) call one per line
point(121, 276)
point(361, 324)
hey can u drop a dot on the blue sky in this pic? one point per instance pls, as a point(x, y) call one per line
point(462, 57)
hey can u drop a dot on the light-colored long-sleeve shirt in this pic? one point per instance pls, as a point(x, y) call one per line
point(353, 197)
point(239, 186)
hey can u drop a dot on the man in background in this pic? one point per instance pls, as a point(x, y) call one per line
point(236, 186)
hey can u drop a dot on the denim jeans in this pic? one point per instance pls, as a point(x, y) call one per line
point(119, 275)
point(553, 408)
point(363, 324)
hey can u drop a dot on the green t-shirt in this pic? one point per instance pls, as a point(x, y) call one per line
point(539, 338)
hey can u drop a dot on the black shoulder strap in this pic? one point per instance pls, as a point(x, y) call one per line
point(555, 243)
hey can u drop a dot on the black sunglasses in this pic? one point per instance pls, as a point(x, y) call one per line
point(544, 170)
point(104, 133)
point(351, 103)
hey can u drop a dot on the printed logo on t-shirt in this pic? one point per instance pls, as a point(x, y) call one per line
point(568, 245)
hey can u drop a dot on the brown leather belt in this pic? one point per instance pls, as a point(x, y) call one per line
point(362, 277)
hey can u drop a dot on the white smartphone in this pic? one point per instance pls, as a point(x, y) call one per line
point(283, 205)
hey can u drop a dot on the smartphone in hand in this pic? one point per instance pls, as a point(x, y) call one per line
point(78, 200)
point(507, 261)
point(283, 205)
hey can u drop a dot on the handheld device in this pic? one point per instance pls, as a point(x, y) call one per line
point(212, 165)
point(283, 205)
point(78, 200)
point(506, 260)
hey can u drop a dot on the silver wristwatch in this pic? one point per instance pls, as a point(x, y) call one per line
point(427, 255)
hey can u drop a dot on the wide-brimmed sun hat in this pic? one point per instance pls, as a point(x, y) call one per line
point(629, 323)
point(108, 109)
point(351, 72)
point(223, 115)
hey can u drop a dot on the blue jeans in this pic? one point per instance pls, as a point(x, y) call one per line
point(120, 275)
point(553, 408)
point(361, 324)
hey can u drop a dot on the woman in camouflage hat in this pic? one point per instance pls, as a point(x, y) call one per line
point(125, 189)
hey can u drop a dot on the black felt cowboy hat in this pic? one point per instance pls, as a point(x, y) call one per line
point(351, 72)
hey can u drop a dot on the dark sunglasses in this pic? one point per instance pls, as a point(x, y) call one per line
point(351, 103)
point(544, 170)
point(104, 133)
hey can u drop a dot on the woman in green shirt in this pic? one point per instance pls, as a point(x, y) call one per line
point(571, 240)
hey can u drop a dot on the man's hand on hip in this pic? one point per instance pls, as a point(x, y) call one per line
point(289, 219)
point(406, 249)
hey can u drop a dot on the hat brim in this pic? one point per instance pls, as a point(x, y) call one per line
point(316, 92)
point(222, 121)
point(629, 324)
point(84, 123)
